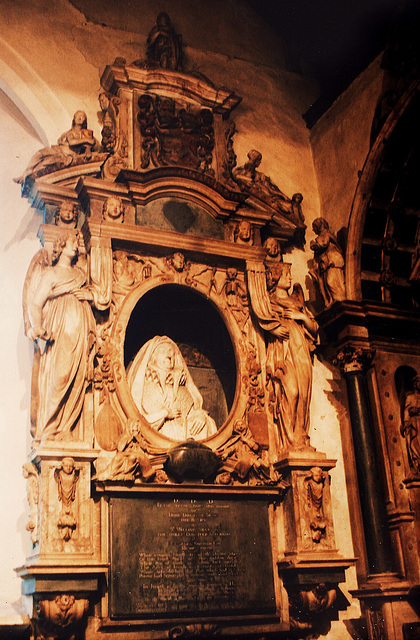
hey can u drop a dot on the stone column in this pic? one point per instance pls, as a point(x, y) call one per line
point(354, 362)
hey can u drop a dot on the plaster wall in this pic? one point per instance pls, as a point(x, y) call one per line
point(51, 59)
point(341, 140)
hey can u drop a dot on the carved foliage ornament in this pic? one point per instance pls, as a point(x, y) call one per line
point(62, 617)
point(30, 472)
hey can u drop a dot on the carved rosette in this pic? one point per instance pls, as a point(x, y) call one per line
point(62, 618)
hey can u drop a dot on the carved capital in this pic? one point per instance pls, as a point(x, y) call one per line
point(351, 359)
point(61, 618)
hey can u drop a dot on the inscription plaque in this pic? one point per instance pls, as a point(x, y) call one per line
point(190, 556)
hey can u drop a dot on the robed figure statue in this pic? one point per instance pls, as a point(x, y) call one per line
point(290, 333)
point(165, 393)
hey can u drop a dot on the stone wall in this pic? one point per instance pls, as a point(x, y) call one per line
point(51, 59)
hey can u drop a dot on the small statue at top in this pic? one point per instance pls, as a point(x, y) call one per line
point(75, 146)
point(164, 45)
point(329, 259)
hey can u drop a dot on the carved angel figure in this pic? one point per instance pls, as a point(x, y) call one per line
point(411, 425)
point(165, 394)
point(330, 262)
point(59, 319)
point(291, 331)
point(73, 147)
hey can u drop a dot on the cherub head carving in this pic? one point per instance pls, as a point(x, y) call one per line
point(113, 210)
point(66, 215)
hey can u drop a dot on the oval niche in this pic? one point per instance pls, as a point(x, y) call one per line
point(195, 325)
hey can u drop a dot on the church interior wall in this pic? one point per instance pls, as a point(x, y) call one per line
point(341, 140)
point(59, 55)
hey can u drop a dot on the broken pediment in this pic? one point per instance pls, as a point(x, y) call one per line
point(166, 133)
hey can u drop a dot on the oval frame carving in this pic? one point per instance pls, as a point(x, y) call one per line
point(122, 389)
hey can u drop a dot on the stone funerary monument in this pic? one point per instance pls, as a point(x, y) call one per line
point(172, 485)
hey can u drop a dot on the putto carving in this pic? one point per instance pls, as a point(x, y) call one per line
point(290, 333)
point(410, 429)
point(66, 477)
point(113, 210)
point(173, 135)
point(75, 146)
point(164, 45)
point(243, 233)
point(177, 262)
point(329, 260)
point(31, 474)
point(67, 215)
point(60, 322)
point(165, 394)
point(233, 290)
point(61, 618)
point(131, 460)
point(272, 250)
point(314, 496)
point(241, 454)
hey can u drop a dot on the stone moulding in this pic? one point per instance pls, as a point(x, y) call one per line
point(170, 83)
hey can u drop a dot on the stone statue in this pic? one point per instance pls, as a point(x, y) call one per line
point(164, 45)
point(59, 319)
point(410, 428)
point(243, 233)
point(330, 263)
point(66, 215)
point(242, 452)
point(130, 460)
point(73, 147)
point(314, 493)
point(66, 477)
point(165, 393)
point(258, 184)
point(290, 335)
point(273, 250)
point(113, 210)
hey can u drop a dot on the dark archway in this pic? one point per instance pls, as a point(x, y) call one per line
point(194, 323)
